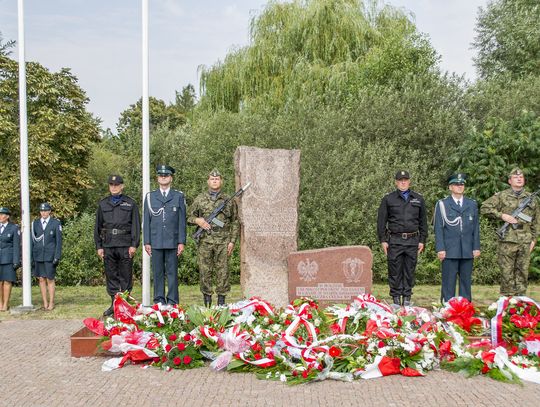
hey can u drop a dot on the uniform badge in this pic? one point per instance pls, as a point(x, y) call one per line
point(174, 208)
point(9, 235)
point(52, 232)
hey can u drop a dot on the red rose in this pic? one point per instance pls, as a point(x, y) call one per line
point(295, 373)
point(512, 311)
point(177, 361)
point(256, 346)
point(187, 337)
point(174, 315)
point(287, 322)
point(380, 344)
point(165, 314)
point(159, 324)
point(335, 328)
point(257, 356)
point(525, 351)
point(485, 369)
point(172, 337)
point(300, 339)
point(304, 374)
point(334, 351)
point(399, 322)
point(168, 348)
point(317, 331)
point(155, 307)
point(187, 360)
point(163, 359)
point(181, 347)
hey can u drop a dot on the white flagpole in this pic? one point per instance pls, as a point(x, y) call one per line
point(25, 190)
point(145, 147)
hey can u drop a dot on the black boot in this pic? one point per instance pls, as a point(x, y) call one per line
point(220, 300)
point(207, 300)
point(397, 300)
point(109, 311)
point(406, 301)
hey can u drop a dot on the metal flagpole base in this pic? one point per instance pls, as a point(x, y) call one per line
point(22, 309)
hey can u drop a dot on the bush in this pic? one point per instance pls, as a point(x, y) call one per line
point(80, 264)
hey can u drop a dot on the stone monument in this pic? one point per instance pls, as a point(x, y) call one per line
point(332, 275)
point(268, 213)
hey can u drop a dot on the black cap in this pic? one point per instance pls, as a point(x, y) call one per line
point(115, 179)
point(165, 170)
point(5, 210)
point(402, 174)
point(45, 206)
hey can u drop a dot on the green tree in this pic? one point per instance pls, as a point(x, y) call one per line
point(186, 99)
point(508, 39)
point(61, 134)
point(488, 155)
point(130, 122)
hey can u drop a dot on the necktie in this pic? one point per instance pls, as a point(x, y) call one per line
point(44, 224)
point(459, 203)
point(164, 194)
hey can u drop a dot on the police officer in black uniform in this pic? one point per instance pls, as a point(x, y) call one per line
point(402, 231)
point(117, 236)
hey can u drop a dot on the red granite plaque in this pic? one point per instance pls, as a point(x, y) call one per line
point(332, 276)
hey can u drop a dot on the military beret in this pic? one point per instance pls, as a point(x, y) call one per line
point(4, 210)
point(402, 174)
point(45, 206)
point(115, 179)
point(165, 170)
point(458, 178)
point(515, 171)
point(214, 173)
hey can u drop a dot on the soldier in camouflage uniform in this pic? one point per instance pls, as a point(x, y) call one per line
point(515, 249)
point(217, 243)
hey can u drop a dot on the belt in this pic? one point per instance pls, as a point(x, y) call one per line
point(117, 231)
point(406, 235)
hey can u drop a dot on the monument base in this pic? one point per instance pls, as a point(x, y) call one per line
point(22, 309)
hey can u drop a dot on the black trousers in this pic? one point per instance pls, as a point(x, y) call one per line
point(118, 269)
point(401, 267)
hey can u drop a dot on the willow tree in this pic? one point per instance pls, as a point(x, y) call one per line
point(317, 48)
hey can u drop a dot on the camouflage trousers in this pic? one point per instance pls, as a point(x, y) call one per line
point(212, 260)
point(514, 259)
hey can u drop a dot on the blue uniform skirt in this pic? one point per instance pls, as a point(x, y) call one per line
point(44, 269)
point(7, 273)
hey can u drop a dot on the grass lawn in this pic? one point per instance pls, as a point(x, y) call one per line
point(81, 301)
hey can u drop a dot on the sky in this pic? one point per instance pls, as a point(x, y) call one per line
point(100, 41)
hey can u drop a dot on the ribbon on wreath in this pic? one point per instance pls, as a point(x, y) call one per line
point(370, 302)
point(496, 321)
point(257, 304)
point(301, 319)
point(208, 332)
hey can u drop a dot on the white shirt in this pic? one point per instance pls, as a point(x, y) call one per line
point(165, 191)
point(44, 221)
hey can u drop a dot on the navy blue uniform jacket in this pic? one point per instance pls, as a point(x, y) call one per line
point(48, 247)
point(164, 222)
point(460, 240)
point(10, 245)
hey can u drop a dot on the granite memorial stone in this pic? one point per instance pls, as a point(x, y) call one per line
point(268, 213)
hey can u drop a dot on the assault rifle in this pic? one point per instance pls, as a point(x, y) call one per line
point(518, 213)
point(212, 219)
